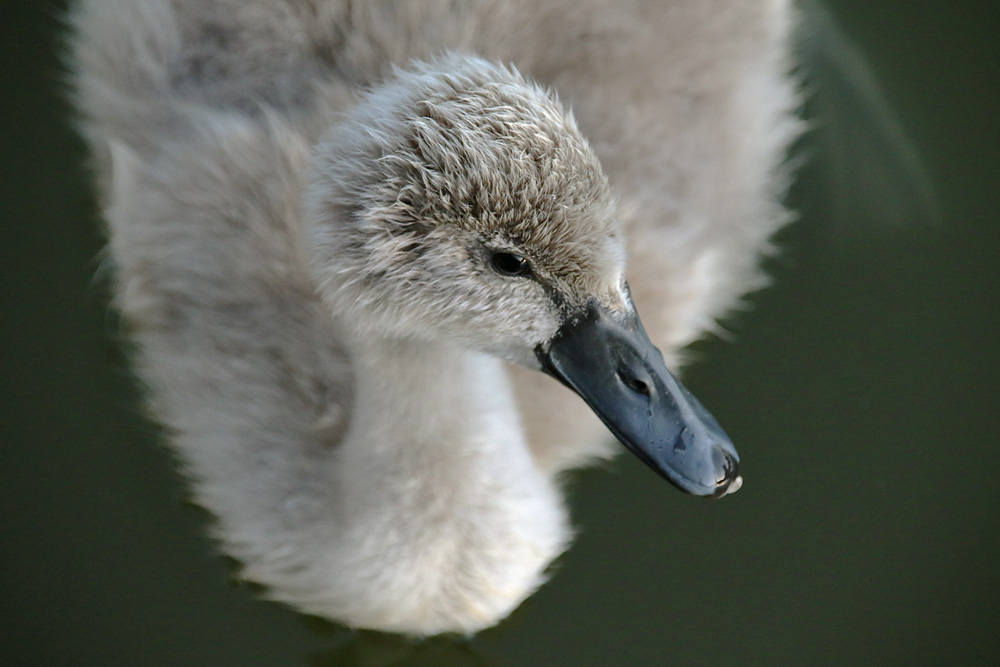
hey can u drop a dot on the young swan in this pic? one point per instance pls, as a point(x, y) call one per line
point(325, 316)
point(458, 217)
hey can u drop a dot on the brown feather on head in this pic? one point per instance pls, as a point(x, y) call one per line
point(425, 183)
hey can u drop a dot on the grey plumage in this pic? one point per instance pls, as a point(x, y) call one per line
point(298, 196)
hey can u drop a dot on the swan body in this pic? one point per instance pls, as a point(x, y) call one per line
point(347, 236)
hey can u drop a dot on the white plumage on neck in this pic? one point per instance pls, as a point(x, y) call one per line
point(461, 474)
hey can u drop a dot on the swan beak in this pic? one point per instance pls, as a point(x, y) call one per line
point(608, 360)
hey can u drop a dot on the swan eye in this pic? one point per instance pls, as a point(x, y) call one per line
point(510, 264)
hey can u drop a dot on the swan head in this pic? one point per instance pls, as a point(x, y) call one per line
point(459, 203)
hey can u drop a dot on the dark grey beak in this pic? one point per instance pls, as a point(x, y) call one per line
point(610, 362)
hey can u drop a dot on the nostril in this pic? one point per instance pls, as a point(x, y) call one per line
point(634, 383)
point(638, 386)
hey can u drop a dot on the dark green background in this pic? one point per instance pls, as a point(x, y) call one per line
point(861, 390)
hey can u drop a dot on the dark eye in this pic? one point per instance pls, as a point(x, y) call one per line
point(510, 264)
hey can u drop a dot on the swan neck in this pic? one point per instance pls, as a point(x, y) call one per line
point(430, 394)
